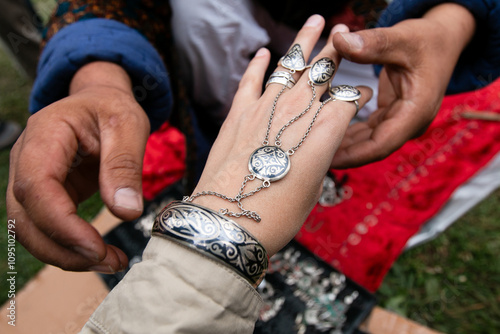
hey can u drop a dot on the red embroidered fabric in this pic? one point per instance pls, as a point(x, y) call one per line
point(391, 199)
point(388, 200)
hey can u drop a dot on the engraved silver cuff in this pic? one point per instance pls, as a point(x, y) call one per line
point(215, 236)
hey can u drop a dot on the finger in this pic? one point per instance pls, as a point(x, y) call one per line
point(36, 192)
point(387, 92)
point(350, 107)
point(123, 142)
point(333, 122)
point(306, 38)
point(379, 137)
point(344, 111)
point(329, 52)
point(374, 46)
point(250, 87)
point(115, 261)
point(354, 133)
point(48, 250)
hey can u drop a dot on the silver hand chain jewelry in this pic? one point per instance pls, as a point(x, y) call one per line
point(271, 163)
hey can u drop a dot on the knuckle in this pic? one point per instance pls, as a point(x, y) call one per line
point(118, 109)
point(20, 189)
point(33, 119)
point(126, 117)
point(381, 38)
point(247, 79)
point(124, 165)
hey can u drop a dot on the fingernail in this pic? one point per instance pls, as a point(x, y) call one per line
point(89, 254)
point(354, 40)
point(314, 21)
point(339, 28)
point(103, 268)
point(122, 267)
point(261, 52)
point(128, 198)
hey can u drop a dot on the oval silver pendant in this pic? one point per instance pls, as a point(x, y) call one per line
point(345, 93)
point(269, 163)
point(322, 71)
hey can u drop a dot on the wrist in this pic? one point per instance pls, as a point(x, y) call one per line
point(101, 74)
point(456, 23)
point(282, 211)
point(214, 236)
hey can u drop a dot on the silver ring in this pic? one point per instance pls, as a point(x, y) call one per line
point(294, 59)
point(283, 74)
point(281, 81)
point(281, 77)
point(322, 71)
point(357, 107)
point(346, 93)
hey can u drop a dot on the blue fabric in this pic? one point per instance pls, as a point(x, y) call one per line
point(100, 39)
point(479, 64)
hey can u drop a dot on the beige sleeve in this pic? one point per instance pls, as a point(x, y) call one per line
point(176, 289)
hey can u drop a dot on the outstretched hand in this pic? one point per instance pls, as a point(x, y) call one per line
point(418, 58)
point(92, 140)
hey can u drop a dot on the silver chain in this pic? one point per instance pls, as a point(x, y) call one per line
point(277, 140)
point(271, 116)
point(237, 198)
point(301, 141)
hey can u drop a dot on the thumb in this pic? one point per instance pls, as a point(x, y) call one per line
point(373, 46)
point(122, 154)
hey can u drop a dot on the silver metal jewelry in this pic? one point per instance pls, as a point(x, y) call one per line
point(346, 93)
point(294, 59)
point(270, 162)
point(322, 71)
point(215, 236)
point(283, 74)
point(327, 296)
point(281, 81)
point(281, 77)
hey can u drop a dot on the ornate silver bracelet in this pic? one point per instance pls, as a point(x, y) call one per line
point(215, 236)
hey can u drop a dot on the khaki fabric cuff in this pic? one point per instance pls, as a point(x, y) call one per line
point(177, 289)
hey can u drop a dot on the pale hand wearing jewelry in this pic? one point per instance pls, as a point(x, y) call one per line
point(271, 163)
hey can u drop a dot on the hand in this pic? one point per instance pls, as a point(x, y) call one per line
point(419, 56)
point(285, 205)
point(92, 140)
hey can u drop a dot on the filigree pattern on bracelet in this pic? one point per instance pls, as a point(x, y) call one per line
point(215, 236)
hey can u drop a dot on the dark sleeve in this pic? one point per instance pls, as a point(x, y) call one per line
point(122, 32)
point(478, 64)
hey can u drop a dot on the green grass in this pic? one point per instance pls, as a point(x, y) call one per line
point(450, 284)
